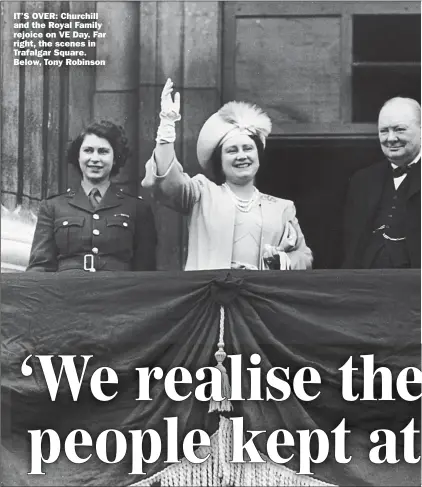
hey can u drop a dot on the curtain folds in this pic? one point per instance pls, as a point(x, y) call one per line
point(127, 320)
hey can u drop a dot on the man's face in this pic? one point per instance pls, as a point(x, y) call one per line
point(399, 132)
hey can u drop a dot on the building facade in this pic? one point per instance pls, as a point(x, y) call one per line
point(320, 69)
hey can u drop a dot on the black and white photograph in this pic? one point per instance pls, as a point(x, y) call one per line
point(210, 243)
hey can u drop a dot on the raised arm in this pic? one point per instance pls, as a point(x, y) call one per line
point(163, 173)
point(166, 135)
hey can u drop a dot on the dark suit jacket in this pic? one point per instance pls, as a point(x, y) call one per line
point(363, 198)
point(120, 233)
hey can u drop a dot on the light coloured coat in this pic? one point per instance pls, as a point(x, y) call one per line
point(211, 212)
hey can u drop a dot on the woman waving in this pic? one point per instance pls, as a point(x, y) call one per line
point(231, 224)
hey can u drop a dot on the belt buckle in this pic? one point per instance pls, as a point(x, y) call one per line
point(89, 263)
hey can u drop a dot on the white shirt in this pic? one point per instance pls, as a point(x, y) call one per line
point(398, 181)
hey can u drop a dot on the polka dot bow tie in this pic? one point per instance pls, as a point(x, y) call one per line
point(399, 171)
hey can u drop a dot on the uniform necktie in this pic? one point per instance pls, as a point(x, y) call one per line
point(94, 197)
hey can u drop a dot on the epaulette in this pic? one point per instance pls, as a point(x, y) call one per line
point(68, 192)
point(122, 192)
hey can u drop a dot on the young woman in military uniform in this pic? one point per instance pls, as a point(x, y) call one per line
point(97, 227)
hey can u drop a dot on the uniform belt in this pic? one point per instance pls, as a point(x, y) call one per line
point(93, 263)
point(89, 263)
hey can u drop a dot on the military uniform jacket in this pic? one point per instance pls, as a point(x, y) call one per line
point(118, 235)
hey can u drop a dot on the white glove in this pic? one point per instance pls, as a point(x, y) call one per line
point(170, 113)
point(170, 109)
point(271, 252)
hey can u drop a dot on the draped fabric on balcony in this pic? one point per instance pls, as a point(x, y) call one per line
point(128, 320)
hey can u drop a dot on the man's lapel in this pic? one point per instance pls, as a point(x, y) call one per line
point(415, 180)
point(380, 175)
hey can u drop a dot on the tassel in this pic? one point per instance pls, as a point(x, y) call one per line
point(220, 355)
point(219, 471)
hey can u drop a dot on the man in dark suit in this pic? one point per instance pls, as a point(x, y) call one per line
point(382, 225)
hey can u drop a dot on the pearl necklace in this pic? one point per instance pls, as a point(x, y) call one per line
point(243, 205)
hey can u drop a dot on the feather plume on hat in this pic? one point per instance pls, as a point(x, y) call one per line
point(248, 117)
point(232, 118)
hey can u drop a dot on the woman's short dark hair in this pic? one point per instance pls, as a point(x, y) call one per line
point(216, 164)
point(115, 135)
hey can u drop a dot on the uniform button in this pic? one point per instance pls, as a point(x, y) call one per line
point(124, 224)
point(94, 250)
point(95, 217)
point(65, 223)
point(96, 232)
point(390, 216)
point(393, 207)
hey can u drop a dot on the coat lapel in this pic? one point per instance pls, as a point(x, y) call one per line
point(110, 199)
point(375, 187)
point(415, 180)
point(266, 213)
point(80, 200)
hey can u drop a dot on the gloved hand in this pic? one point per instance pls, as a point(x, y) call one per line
point(170, 110)
point(170, 113)
point(275, 258)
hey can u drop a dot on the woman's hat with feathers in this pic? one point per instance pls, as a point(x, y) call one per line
point(235, 117)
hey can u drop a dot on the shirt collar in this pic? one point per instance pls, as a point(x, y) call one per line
point(415, 160)
point(102, 187)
